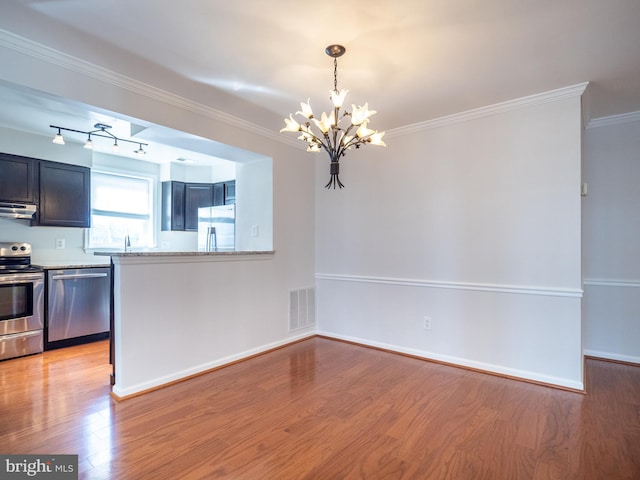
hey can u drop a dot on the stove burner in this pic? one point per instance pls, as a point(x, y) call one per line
point(5, 269)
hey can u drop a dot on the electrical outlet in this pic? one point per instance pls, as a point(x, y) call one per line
point(60, 243)
point(427, 323)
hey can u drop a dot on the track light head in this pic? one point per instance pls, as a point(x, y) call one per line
point(58, 140)
point(140, 152)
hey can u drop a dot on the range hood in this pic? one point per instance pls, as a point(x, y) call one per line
point(16, 210)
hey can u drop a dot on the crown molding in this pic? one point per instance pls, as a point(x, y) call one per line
point(61, 59)
point(614, 120)
point(489, 110)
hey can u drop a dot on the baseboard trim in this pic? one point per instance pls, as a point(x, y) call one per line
point(550, 382)
point(576, 388)
point(121, 395)
point(600, 282)
point(613, 357)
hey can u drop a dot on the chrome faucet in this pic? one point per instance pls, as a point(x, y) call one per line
point(127, 243)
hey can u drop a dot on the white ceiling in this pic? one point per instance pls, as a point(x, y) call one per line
point(411, 60)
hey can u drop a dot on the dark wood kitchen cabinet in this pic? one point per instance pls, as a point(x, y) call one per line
point(180, 204)
point(18, 178)
point(230, 193)
point(181, 201)
point(172, 206)
point(196, 195)
point(65, 195)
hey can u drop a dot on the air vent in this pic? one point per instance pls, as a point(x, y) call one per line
point(302, 308)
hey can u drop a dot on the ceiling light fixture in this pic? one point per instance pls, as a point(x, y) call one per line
point(58, 138)
point(140, 152)
point(101, 130)
point(333, 138)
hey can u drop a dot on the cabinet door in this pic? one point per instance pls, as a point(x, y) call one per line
point(17, 178)
point(196, 195)
point(230, 193)
point(173, 205)
point(65, 195)
point(218, 194)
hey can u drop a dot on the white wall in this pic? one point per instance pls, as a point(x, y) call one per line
point(475, 224)
point(250, 297)
point(611, 232)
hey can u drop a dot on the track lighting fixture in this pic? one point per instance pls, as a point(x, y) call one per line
point(101, 130)
point(58, 138)
point(140, 152)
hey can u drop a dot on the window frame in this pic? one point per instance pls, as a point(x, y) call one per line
point(153, 208)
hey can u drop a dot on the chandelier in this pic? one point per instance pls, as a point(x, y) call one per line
point(101, 130)
point(329, 135)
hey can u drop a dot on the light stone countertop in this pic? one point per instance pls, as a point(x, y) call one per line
point(185, 254)
point(70, 265)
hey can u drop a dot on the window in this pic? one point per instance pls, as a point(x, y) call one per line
point(121, 205)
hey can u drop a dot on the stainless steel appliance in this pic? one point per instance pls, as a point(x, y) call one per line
point(17, 210)
point(78, 305)
point(217, 228)
point(21, 302)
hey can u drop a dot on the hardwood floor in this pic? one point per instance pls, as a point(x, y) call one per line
point(322, 409)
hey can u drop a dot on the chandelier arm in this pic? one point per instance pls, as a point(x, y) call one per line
point(354, 141)
point(323, 144)
point(342, 147)
point(314, 136)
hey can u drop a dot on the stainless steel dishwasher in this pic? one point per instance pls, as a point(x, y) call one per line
point(78, 304)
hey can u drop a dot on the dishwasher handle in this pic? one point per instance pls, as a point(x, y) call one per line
point(75, 276)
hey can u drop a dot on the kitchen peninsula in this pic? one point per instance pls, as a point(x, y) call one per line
point(178, 314)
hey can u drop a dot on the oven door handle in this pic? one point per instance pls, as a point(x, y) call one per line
point(78, 275)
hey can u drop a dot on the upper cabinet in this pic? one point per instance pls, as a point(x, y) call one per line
point(181, 201)
point(196, 195)
point(172, 206)
point(17, 178)
point(65, 195)
point(229, 193)
point(62, 192)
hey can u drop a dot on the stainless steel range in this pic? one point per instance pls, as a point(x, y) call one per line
point(21, 302)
